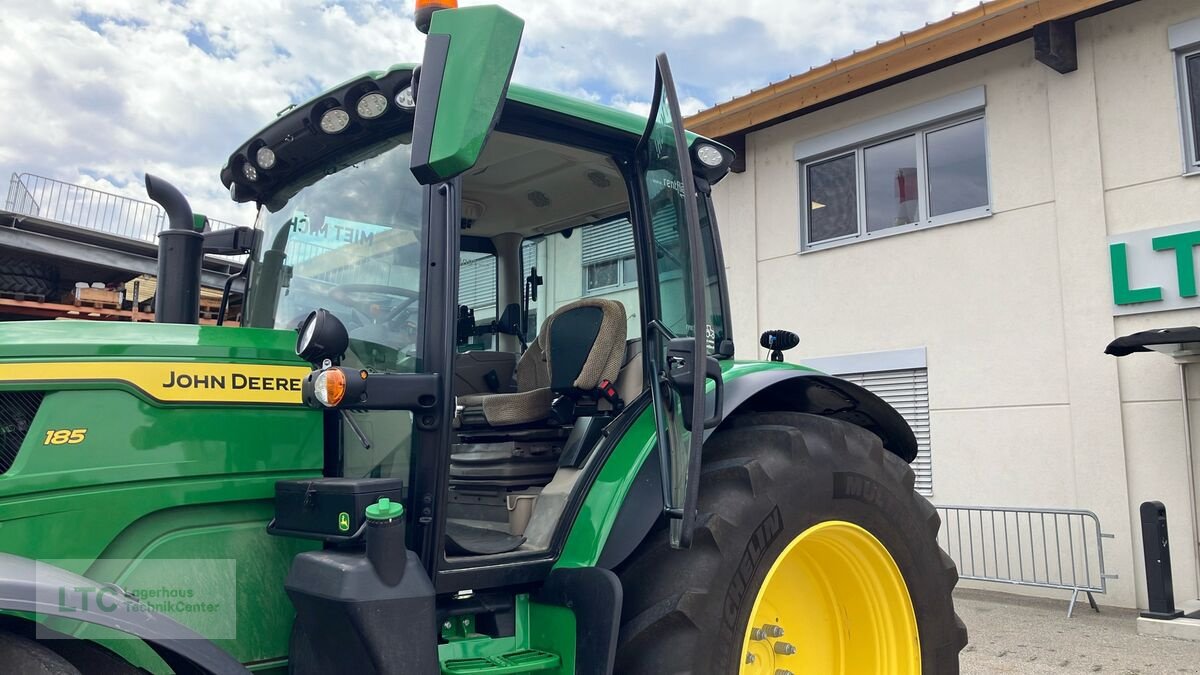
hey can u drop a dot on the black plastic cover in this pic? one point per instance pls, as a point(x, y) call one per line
point(595, 595)
point(349, 620)
point(329, 509)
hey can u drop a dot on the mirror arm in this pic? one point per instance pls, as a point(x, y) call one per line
point(363, 439)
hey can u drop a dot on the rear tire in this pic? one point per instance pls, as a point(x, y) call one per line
point(22, 267)
point(10, 283)
point(89, 657)
point(21, 655)
point(767, 478)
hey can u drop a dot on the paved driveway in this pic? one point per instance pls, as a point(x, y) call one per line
point(1012, 634)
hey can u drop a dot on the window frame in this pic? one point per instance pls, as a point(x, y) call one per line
point(1190, 134)
point(919, 134)
point(622, 282)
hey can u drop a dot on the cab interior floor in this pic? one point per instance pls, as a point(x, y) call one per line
point(469, 539)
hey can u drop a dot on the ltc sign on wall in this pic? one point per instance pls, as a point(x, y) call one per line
point(1154, 270)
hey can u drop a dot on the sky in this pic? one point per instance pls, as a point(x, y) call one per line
point(99, 92)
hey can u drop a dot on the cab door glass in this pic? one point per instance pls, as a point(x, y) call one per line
point(664, 191)
point(715, 330)
point(672, 258)
point(670, 215)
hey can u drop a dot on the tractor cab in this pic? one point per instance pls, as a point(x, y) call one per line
point(525, 279)
point(483, 454)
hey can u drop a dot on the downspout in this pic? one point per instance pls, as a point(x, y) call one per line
point(1191, 474)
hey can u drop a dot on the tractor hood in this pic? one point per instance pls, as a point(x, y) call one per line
point(38, 340)
point(167, 364)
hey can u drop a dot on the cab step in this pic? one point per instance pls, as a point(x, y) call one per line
point(520, 661)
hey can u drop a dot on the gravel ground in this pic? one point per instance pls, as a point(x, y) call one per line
point(1013, 634)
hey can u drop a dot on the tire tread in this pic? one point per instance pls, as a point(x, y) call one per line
point(666, 591)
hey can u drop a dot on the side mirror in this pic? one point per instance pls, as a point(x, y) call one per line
point(778, 341)
point(468, 61)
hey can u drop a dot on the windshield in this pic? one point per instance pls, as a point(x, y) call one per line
point(351, 243)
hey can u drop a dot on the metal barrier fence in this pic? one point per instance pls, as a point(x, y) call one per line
point(89, 208)
point(1045, 548)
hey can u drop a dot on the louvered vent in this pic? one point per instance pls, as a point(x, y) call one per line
point(17, 409)
point(607, 241)
point(908, 392)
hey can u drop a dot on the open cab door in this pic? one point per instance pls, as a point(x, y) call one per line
point(678, 359)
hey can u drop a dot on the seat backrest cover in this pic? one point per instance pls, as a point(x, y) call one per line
point(580, 345)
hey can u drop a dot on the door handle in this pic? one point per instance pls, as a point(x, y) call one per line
point(712, 371)
point(681, 373)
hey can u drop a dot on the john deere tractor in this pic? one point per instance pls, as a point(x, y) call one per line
point(481, 416)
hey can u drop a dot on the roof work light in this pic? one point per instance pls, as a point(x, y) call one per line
point(426, 8)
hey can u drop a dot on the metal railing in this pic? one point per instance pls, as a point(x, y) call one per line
point(1045, 548)
point(89, 208)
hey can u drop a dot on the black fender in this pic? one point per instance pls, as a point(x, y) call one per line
point(782, 389)
point(30, 586)
point(807, 391)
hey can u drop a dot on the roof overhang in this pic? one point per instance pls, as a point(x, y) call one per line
point(966, 34)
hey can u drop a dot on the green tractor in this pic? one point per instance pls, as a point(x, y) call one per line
point(481, 416)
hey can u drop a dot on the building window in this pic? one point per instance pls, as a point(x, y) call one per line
point(607, 256)
point(918, 167)
point(928, 176)
point(832, 199)
point(1189, 83)
point(1183, 39)
point(609, 274)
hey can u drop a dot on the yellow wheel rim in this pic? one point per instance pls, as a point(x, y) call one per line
point(833, 602)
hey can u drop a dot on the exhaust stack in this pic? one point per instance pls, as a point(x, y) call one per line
point(180, 254)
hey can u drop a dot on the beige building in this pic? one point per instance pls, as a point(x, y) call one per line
point(975, 210)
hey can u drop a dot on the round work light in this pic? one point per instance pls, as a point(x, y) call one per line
point(335, 121)
point(322, 336)
point(371, 105)
point(709, 156)
point(264, 158)
point(404, 98)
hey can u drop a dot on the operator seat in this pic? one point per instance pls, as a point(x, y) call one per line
point(579, 346)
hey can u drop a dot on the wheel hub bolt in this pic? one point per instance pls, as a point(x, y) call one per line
point(749, 657)
point(781, 671)
point(784, 648)
point(773, 631)
point(757, 634)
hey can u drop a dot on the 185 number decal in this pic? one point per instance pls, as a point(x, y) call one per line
point(64, 436)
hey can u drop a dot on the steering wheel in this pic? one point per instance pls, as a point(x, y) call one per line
point(365, 311)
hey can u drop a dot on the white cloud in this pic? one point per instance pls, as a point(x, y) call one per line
point(100, 91)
